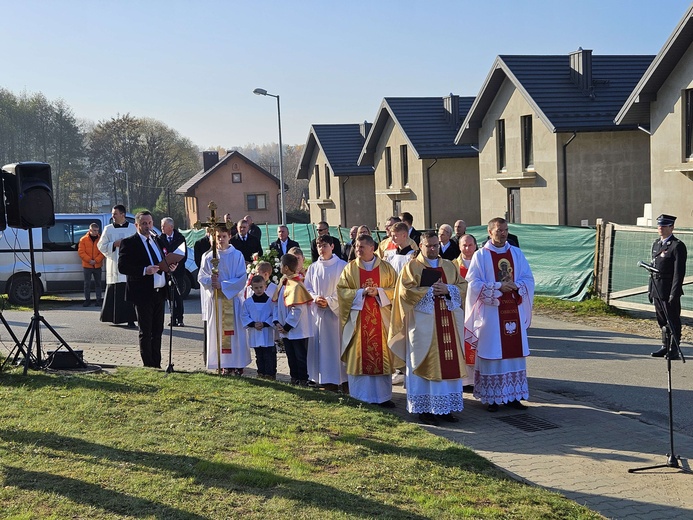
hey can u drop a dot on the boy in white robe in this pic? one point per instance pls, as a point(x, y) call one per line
point(257, 319)
point(223, 306)
point(324, 364)
point(292, 319)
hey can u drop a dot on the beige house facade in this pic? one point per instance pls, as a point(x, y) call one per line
point(548, 151)
point(237, 185)
point(340, 192)
point(662, 104)
point(418, 169)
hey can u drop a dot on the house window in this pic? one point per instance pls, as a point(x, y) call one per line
point(513, 214)
point(256, 201)
point(317, 181)
point(404, 162)
point(689, 124)
point(236, 177)
point(328, 187)
point(388, 167)
point(527, 149)
point(500, 144)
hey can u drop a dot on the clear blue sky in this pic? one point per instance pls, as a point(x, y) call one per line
point(194, 64)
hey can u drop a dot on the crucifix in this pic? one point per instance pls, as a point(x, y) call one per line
point(211, 226)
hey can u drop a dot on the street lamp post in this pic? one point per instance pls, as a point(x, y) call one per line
point(263, 92)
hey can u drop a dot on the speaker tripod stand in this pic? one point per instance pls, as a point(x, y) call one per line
point(33, 331)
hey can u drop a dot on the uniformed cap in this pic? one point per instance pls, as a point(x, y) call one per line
point(666, 220)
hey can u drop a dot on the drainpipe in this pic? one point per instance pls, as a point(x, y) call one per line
point(343, 194)
point(565, 178)
point(428, 186)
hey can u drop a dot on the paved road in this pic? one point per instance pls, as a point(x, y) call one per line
point(598, 409)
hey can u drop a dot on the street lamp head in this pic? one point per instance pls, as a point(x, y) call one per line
point(260, 92)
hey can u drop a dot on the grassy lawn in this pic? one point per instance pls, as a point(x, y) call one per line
point(590, 307)
point(141, 444)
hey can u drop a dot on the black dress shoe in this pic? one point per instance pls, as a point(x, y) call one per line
point(493, 407)
point(131, 325)
point(674, 355)
point(448, 417)
point(516, 404)
point(180, 324)
point(428, 418)
point(660, 353)
point(387, 404)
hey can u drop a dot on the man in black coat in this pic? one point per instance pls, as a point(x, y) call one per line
point(253, 229)
point(449, 249)
point(283, 242)
point(247, 244)
point(145, 286)
point(349, 248)
point(169, 241)
point(666, 286)
point(323, 228)
point(201, 247)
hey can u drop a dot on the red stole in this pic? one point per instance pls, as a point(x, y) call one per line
point(447, 339)
point(463, 270)
point(371, 326)
point(508, 311)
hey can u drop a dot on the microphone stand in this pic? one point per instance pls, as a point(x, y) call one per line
point(172, 286)
point(671, 342)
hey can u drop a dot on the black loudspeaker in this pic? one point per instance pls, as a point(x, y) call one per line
point(29, 195)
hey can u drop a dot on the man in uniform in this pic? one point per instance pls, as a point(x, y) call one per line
point(669, 258)
point(426, 331)
point(498, 311)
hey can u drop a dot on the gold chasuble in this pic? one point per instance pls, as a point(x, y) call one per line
point(432, 340)
point(364, 338)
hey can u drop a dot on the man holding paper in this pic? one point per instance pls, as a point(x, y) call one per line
point(426, 332)
point(172, 241)
point(141, 261)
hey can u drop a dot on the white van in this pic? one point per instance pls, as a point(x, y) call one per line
point(58, 266)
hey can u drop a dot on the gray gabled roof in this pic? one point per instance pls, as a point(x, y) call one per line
point(426, 126)
point(545, 83)
point(636, 109)
point(341, 144)
point(195, 180)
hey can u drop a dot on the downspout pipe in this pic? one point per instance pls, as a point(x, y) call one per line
point(565, 178)
point(343, 192)
point(428, 188)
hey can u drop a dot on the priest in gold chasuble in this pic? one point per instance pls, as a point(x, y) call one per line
point(427, 330)
point(364, 290)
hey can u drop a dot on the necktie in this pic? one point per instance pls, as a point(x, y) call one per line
point(152, 253)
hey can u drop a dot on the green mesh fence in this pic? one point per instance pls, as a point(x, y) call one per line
point(631, 245)
point(562, 258)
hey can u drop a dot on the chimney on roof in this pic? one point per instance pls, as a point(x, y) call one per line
point(581, 70)
point(365, 128)
point(209, 159)
point(451, 104)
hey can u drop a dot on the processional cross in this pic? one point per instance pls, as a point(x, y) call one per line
point(211, 226)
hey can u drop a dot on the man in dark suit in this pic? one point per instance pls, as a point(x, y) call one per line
point(201, 247)
point(449, 250)
point(413, 233)
point(253, 229)
point(247, 244)
point(323, 228)
point(666, 286)
point(169, 241)
point(283, 242)
point(349, 248)
point(145, 286)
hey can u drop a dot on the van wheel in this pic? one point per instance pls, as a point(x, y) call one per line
point(184, 285)
point(19, 292)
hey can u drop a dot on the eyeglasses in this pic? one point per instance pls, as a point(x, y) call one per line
point(323, 229)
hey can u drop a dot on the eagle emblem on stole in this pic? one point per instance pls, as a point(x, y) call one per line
point(510, 327)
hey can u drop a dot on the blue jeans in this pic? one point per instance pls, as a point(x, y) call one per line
point(89, 273)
